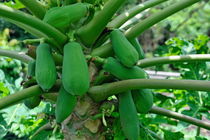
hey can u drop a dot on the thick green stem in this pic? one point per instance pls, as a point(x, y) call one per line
point(172, 59)
point(16, 55)
point(19, 96)
point(90, 32)
point(140, 27)
point(31, 41)
point(34, 7)
point(103, 51)
point(102, 92)
point(175, 115)
point(95, 59)
point(32, 25)
point(122, 18)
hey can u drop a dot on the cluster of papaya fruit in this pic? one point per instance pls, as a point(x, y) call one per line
point(127, 53)
point(75, 75)
point(74, 67)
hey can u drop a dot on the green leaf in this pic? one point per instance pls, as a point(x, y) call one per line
point(4, 91)
point(200, 138)
point(43, 135)
point(16, 5)
point(3, 131)
point(168, 135)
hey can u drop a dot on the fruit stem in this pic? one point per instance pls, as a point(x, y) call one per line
point(148, 62)
point(128, 14)
point(33, 25)
point(102, 92)
point(16, 55)
point(140, 27)
point(15, 98)
point(181, 117)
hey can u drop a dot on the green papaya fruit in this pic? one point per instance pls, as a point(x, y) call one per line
point(123, 73)
point(62, 17)
point(75, 74)
point(143, 100)
point(138, 47)
point(31, 68)
point(32, 102)
point(123, 49)
point(45, 69)
point(120, 71)
point(64, 105)
point(128, 116)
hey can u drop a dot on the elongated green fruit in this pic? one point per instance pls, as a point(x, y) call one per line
point(45, 70)
point(75, 74)
point(118, 70)
point(123, 49)
point(33, 25)
point(62, 17)
point(31, 68)
point(32, 102)
point(89, 33)
point(64, 105)
point(138, 47)
point(124, 73)
point(128, 116)
point(143, 100)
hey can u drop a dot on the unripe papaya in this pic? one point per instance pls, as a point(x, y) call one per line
point(120, 71)
point(75, 74)
point(45, 70)
point(123, 49)
point(32, 102)
point(138, 47)
point(31, 68)
point(143, 100)
point(128, 116)
point(64, 105)
point(62, 17)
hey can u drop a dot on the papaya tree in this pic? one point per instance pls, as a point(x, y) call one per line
point(92, 69)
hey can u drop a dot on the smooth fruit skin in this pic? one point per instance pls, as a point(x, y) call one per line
point(118, 70)
point(62, 17)
point(75, 74)
point(32, 102)
point(45, 69)
point(128, 116)
point(143, 100)
point(64, 105)
point(123, 49)
point(138, 47)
